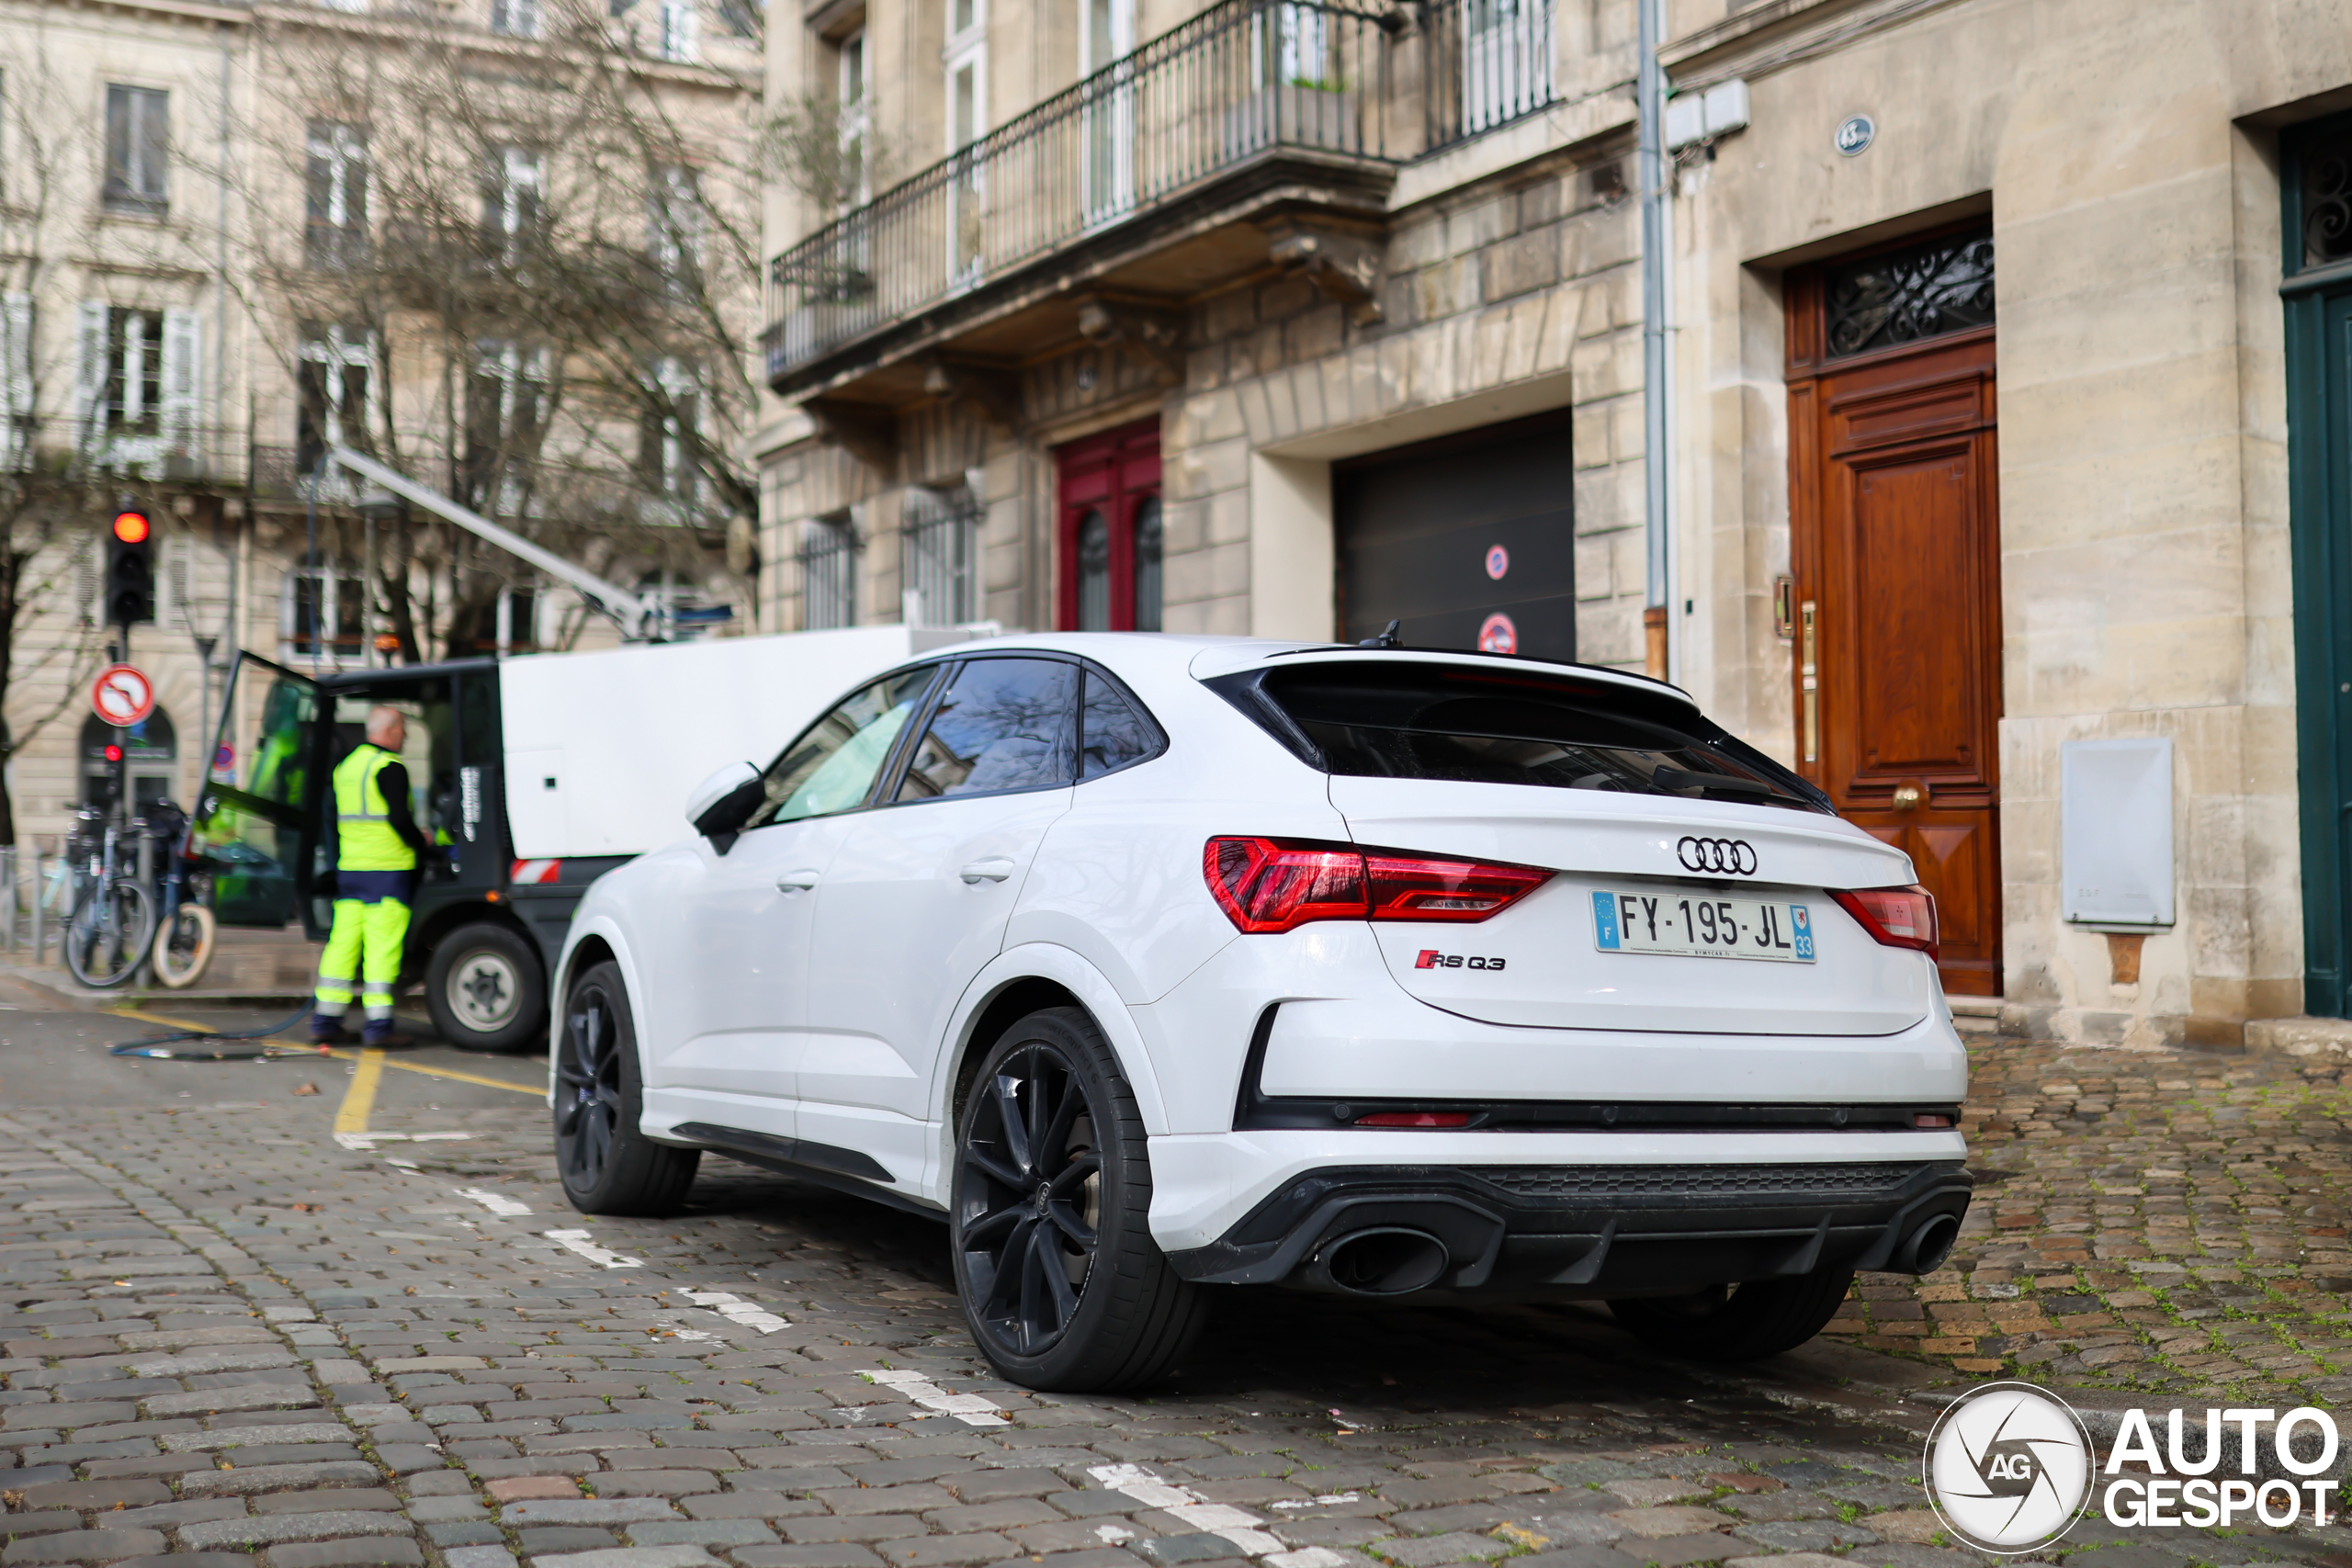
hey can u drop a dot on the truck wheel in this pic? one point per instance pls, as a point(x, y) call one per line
point(1739, 1323)
point(486, 989)
point(607, 1166)
point(1061, 1282)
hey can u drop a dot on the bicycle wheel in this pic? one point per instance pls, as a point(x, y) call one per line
point(183, 950)
point(107, 934)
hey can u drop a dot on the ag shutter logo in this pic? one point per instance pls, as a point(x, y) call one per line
point(2008, 1468)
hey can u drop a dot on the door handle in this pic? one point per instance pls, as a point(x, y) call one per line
point(994, 869)
point(796, 881)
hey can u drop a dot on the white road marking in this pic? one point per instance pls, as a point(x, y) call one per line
point(1236, 1525)
point(735, 1309)
point(578, 1242)
point(972, 1409)
point(365, 1142)
point(1109, 1535)
point(505, 1207)
point(1327, 1499)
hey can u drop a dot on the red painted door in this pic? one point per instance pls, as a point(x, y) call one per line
point(1108, 531)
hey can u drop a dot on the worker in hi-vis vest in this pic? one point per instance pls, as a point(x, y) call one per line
point(380, 849)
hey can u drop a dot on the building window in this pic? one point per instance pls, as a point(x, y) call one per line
point(507, 622)
point(1903, 295)
point(941, 552)
point(666, 459)
point(505, 394)
point(1145, 564)
point(139, 139)
point(675, 227)
point(516, 18)
point(854, 121)
point(132, 402)
point(511, 200)
point(678, 39)
point(966, 61)
point(135, 395)
point(331, 377)
point(828, 571)
point(334, 218)
point(322, 612)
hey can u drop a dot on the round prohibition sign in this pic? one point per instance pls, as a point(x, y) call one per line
point(122, 695)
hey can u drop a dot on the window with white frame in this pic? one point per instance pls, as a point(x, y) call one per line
point(513, 195)
point(828, 571)
point(680, 30)
point(667, 425)
point(334, 215)
point(17, 414)
point(966, 59)
point(138, 145)
point(136, 382)
point(675, 225)
point(854, 121)
point(516, 18)
point(322, 612)
point(507, 394)
point(332, 373)
point(1106, 37)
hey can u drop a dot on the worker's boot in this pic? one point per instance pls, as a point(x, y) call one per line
point(326, 1028)
point(381, 1033)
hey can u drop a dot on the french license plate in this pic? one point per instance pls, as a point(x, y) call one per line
point(1702, 926)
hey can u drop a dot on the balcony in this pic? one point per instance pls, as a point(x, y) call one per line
point(1260, 133)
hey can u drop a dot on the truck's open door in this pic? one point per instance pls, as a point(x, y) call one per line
point(256, 817)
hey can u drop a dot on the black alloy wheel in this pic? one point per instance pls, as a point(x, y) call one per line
point(606, 1164)
point(1032, 1196)
point(1060, 1281)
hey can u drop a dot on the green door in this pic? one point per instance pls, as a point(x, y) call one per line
point(2317, 181)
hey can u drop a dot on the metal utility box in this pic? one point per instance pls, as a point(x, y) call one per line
point(2115, 833)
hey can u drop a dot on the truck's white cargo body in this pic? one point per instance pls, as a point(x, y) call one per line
point(602, 748)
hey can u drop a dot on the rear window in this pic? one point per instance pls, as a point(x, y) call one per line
point(1383, 718)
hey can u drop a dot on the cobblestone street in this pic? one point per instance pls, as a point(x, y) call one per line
point(232, 1332)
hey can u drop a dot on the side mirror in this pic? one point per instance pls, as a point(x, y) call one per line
point(721, 804)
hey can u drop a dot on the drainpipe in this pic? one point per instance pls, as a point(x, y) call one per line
point(1649, 97)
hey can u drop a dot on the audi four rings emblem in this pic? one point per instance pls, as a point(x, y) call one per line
point(1736, 856)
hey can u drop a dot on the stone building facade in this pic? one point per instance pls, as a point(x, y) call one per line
point(1993, 447)
point(181, 185)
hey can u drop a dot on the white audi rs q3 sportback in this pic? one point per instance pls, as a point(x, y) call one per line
point(1159, 964)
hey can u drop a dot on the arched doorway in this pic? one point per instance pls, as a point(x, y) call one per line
point(150, 748)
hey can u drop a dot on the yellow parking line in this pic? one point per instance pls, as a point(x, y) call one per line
point(360, 1097)
point(534, 1090)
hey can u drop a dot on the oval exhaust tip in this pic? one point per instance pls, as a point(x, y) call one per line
point(1926, 1248)
point(1387, 1262)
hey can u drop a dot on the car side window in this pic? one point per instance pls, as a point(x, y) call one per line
point(832, 766)
point(1005, 724)
point(1114, 731)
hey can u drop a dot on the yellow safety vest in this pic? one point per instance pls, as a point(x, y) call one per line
point(362, 819)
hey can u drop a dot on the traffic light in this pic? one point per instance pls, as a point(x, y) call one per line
point(130, 570)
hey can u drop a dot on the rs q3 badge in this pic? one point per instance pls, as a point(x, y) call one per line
point(1430, 958)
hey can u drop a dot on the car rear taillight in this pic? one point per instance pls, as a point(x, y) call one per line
point(1270, 885)
point(1896, 917)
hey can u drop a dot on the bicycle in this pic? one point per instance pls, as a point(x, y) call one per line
point(187, 929)
point(113, 922)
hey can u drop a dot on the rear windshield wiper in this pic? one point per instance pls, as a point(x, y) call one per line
point(1672, 778)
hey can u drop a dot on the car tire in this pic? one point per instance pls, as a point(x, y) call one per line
point(486, 989)
point(1061, 1283)
point(1738, 1322)
point(606, 1164)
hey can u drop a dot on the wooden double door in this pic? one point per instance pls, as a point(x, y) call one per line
point(1894, 540)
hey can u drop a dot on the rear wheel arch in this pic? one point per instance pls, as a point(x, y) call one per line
point(1006, 1008)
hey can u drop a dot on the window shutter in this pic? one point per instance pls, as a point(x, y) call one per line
point(90, 376)
point(16, 378)
point(183, 374)
point(681, 20)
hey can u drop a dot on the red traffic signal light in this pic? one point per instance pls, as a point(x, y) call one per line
point(131, 527)
point(114, 752)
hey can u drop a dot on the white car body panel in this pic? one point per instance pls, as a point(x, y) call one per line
point(844, 1014)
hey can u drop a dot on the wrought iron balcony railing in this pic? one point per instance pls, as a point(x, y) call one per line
point(1241, 80)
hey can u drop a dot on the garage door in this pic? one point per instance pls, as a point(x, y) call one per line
point(1469, 541)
